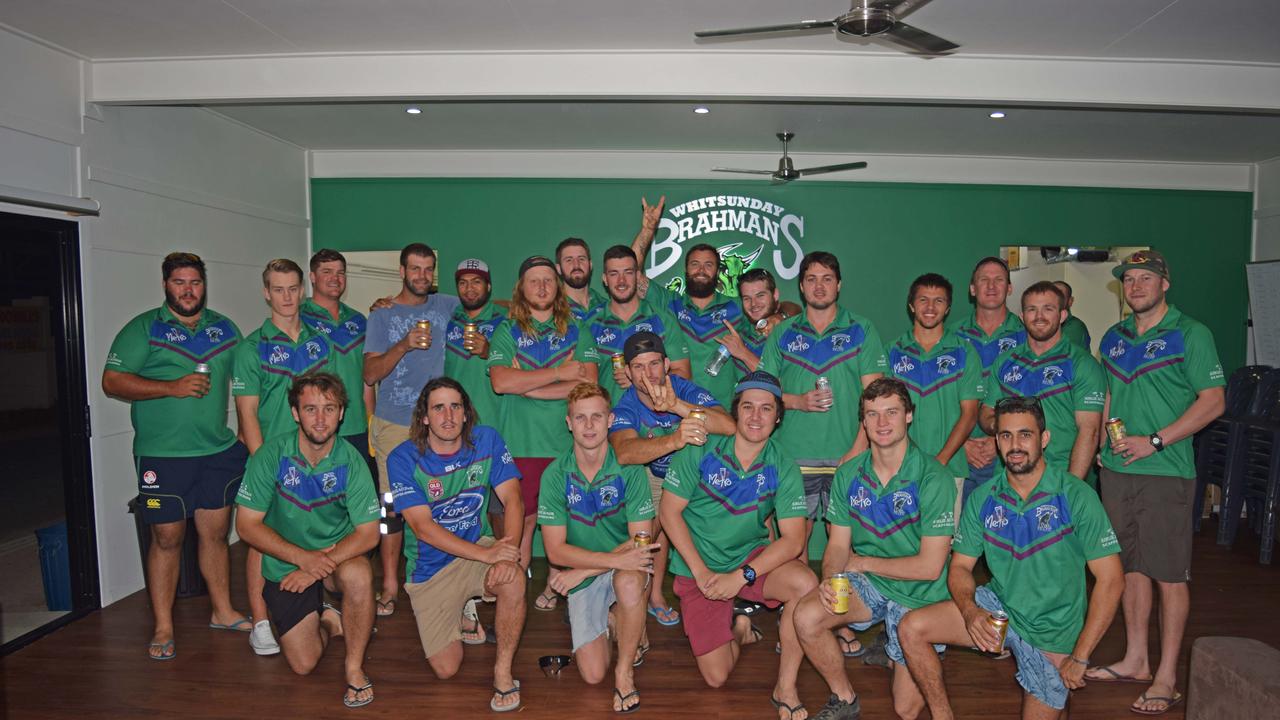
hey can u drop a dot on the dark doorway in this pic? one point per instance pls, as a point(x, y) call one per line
point(48, 556)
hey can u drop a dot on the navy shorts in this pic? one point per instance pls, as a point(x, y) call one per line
point(290, 608)
point(173, 488)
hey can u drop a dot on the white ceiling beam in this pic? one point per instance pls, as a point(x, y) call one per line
point(704, 76)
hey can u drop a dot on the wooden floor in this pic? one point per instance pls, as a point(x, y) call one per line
point(97, 667)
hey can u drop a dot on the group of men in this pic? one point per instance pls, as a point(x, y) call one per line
point(645, 430)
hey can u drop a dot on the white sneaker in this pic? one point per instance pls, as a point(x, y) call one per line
point(261, 639)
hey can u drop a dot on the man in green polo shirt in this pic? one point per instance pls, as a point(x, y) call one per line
point(719, 500)
point(466, 357)
point(573, 263)
point(188, 461)
point(1164, 381)
point(1039, 529)
point(590, 508)
point(1073, 328)
point(761, 313)
point(1066, 379)
point(265, 365)
point(825, 341)
point(308, 505)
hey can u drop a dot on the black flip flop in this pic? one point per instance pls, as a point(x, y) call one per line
point(791, 709)
point(622, 700)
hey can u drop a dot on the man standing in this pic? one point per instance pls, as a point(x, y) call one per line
point(626, 314)
point(1039, 529)
point(1073, 328)
point(466, 356)
point(893, 507)
point(308, 506)
point(1165, 384)
point(265, 365)
point(1063, 375)
point(573, 263)
point(536, 356)
point(590, 508)
point(401, 354)
point(654, 418)
point(189, 462)
point(991, 329)
point(761, 311)
point(826, 341)
point(440, 478)
point(720, 498)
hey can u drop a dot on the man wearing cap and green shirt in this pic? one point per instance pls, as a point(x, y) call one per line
point(1073, 328)
point(466, 356)
point(1067, 380)
point(1165, 383)
point(536, 356)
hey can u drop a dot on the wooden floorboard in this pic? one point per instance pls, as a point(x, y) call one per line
point(97, 666)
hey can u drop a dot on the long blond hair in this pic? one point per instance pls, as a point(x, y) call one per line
point(522, 314)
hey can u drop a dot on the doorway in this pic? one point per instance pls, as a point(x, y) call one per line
point(48, 555)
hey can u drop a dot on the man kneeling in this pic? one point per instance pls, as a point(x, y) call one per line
point(307, 502)
point(440, 482)
point(1038, 528)
point(590, 508)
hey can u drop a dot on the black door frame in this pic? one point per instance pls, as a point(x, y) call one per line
point(73, 421)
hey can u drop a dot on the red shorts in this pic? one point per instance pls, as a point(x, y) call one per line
point(530, 481)
point(709, 623)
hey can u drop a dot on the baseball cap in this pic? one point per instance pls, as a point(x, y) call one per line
point(473, 266)
point(641, 343)
point(760, 380)
point(534, 261)
point(1143, 260)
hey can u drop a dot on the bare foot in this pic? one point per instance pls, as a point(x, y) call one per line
point(788, 704)
point(745, 632)
point(625, 695)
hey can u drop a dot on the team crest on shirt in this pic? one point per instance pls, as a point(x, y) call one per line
point(1014, 375)
point(903, 366)
point(902, 501)
point(799, 344)
point(214, 333)
point(996, 519)
point(473, 472)
point(555, 342)
point(1045, 515)
point(1006, 343)
point(945, 363)
point(174, 335)
point(1051, 373)
point(352, 326)
point(149, 477)
point(720, 479)
point(1153, 347)
point(840, 341)
point(329, 481)
point(608, 495)
point(862, 500)
point(313, 349)
point(644, 327)
point(719, 315)
point(278, 355)
point(435, 489)
point(292, 478)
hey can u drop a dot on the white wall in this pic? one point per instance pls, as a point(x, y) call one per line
point(1266, 238)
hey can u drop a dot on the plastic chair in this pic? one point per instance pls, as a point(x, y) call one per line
point(1211, 442)
point(1253, 468)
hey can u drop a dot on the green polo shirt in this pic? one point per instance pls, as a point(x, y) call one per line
point(888, 520)
point(266, 364)
point(1065, 378)
point(1153, 378)
point(608, 333)
point(752, 338)
point(156, 346)
point(701, 327)
point(1037, 550)
point(1007, 336)
point(1076, 331)
point(594, 511)
point(535, 428)
point(310, 507)
point(346, 345)
point(938, 380)
point(596, 300)
point(798, 355)
point(470, 370)
point(729, 504)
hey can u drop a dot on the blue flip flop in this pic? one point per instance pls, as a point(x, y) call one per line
point(666, 616)
point(166, 651)
point(244, 624)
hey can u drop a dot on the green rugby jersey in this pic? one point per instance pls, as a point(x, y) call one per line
point(471, 371)
point(346, 360)
point(1077, 332)
point(889, 520)
point(155, 345)
point(1007, 336)
point(1153, 378)
point(596, 300)
point(609, 333)
point(729, 504)
point(938, 380)
point(310, 507)
point(1037, 551)
point(753, 339)
point(701, 327)
point(594, 511)
point(265, 366)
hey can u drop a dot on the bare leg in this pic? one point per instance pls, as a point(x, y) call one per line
point(508, 624)
point(919, 630)
point(716, 665)
point(630, 614)
point(355, 579)
point(1136, 603)
point(526, 557)
point(788, 583)
point(215, 564)
point(254, 583)
point(592, 659)
point(162, 579)
point(907, 700)
point(1033, 709)
point(814, 625)
point(1175, 604)
point(303, 645)
point(656, 598)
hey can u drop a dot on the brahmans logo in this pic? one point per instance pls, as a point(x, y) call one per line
point(840, 341)
point(213, 333)
point(1153, 347)
point(329, 482)
point(352, 326)
point(1052, 373)
point(1007, 343)
point(902, 501)
point(762, 222)
point(1045, 515)
point(313, 349)
point(945, 363)
point(608, 495)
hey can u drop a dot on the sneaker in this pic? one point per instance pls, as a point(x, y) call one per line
point(469, 611)
point(261, 639)
point(837, 709)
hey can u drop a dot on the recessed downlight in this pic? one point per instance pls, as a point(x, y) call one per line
point(413, 110)
point(996, 115)
point(702, 110)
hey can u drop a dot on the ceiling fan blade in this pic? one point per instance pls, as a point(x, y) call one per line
point(739, 170)
point(900, 8)
point(831, 168)
point(917, 40)
point(802, 25)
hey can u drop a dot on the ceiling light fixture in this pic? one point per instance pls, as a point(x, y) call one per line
point(414, 111)
point(996, 115)
point(702, 110)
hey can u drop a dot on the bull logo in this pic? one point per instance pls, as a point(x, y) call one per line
point(902, 501)
point(313, 349)
point(278, 355)
point(1052, 373)
point(329, 481)
point(1006, 343)
point(945, 363)
point(1045, 515)
point(840, 341)
point(352, 326)
point(213, 333)
point(555, 342)
point(719, 315)
point(644, 327)
point(608, 495)
point(903, 365)
point(1153, 347)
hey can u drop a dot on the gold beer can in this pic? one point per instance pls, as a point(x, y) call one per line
point(698, 413)
point(618, 361)
point(642, 539)
point(1000, 621)
point(426, 326)
point(1115, 429)
point(841, 586)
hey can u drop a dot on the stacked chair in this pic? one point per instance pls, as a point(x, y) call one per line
point(1251, 479)
point(1211, 442)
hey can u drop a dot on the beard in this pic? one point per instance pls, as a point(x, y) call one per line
point(620, 299)
point(320, 439)
point(700, 288)
point(577, 282)
point(476, 305)
point(1023, 467)
point(173, 303)
point(411, 287)
point(1041, 337)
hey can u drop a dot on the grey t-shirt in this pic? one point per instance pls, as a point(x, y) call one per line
point(399, 390)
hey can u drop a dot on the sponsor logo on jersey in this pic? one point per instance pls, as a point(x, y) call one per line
point(606, 337)
point(174, 335)
point(996, 519)
point(1014, 374)
point(153, 503)
point(720, 479)
point(862, 500)
point(149, 477)
point(292, 478)
point(799, 344)
point(278, 355)
point(903, 366)
point(1117, 350)
point(525, 341)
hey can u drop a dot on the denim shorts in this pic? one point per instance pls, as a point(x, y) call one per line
point(890, 612)
point(589, 610)
point(1036, 674)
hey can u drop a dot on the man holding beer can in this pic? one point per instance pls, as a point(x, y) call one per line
point(591, 510)
point(466, 356)
point(1039, 529)
point(1165, 384)
point(892, 517)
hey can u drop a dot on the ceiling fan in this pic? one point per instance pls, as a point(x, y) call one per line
point(786, 172)
point(866, 18)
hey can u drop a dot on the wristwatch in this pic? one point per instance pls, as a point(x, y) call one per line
point(1157, 442)
point(749, 574)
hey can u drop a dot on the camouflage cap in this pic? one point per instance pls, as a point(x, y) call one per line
point(1142, 260)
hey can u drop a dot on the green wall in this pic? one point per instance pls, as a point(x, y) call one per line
point(884, 233)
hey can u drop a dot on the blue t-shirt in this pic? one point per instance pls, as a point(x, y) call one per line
point(632, 414)
point(398, 391)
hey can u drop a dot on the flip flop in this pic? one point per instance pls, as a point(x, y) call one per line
point(641, 651)
point(845, 642)
point(354, 702)
point(666, 616)
point(490, 635)
point(791, 709)
point(244, 624)
point(386, 608)
point(1115, 676)
point(546, 602)
point(166, 651)
point(622, 700)
point(1169, 702)
point(493, 704)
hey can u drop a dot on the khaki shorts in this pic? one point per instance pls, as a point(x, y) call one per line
point(655, 489)
point(1151, 515)
point(386, 436)
point(437, 603)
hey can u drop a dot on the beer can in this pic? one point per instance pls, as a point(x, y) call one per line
point(823, 384)
point(470, 328)
point(1000, 621)
point(761, 324)
point(202, 368)
point(1115, 429)
point(841, 586)
point(642, 539)
point(618, 361)
point(424, 325)
point(698, 413)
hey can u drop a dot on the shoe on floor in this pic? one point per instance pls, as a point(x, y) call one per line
point(261, 639)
